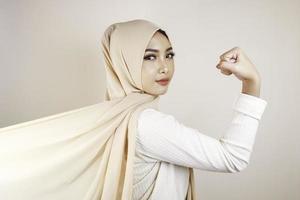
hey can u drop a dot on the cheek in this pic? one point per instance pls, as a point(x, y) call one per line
point(149, 73)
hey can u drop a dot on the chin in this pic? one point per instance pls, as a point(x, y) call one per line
point(163, 92)
point(157, 93)
point(156, 90)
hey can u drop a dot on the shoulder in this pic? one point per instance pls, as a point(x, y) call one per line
point(149, 114)
point(151, 119)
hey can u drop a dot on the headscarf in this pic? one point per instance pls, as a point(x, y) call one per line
point(85, 153)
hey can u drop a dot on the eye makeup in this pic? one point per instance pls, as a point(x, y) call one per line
point(147, 57)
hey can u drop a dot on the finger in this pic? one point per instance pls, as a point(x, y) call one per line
point(232, 60)
point(226, 72)
point(226, 66)
point(231, 54)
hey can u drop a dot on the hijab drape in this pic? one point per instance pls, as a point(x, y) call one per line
point(85, 153)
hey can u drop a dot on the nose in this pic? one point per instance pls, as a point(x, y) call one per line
point(163, 65)
point(163, 69)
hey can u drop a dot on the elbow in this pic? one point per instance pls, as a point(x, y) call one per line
point(237, 158)
point(239, 167)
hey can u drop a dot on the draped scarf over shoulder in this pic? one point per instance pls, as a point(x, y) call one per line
point(85, 153)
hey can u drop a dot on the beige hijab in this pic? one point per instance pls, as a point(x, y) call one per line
point(86, 153)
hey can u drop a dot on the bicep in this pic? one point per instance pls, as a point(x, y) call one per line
point(163, 138)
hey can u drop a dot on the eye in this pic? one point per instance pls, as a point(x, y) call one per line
point(171, 54)
point(152, 56)
point(149, 57)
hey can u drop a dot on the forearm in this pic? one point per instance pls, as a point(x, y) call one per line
point(251, 87)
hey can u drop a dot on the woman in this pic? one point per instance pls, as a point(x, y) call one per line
point(166, 149)
point(102, 151)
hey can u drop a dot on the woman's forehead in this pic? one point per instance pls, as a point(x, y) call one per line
point(158, 40)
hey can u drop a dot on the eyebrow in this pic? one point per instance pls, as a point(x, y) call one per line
point(156, 50)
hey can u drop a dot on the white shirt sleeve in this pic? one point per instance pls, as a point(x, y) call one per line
point(162, 137)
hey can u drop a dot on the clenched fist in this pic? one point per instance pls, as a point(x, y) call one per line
point(236, 62)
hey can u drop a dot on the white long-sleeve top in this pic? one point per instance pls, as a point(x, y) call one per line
point(165, 148)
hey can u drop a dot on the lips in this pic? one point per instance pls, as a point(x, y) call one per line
point(163, 81)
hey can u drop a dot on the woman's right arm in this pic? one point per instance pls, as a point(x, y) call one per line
point(163, 138)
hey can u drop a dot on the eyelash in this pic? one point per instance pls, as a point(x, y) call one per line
point(152, 55)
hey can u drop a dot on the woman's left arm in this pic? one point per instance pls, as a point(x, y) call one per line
point(251, 87)
point(162, 137)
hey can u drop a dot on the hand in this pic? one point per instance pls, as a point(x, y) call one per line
point(236, 62)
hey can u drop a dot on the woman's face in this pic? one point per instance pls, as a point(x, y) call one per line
point(158, 64)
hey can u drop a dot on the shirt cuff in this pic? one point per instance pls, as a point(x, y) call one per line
point(250, 105)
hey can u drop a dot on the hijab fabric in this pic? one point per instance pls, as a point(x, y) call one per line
point(85, 153)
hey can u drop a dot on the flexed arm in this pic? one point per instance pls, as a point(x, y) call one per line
point(162, 137)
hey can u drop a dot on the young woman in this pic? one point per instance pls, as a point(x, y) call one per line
point(124, 147)
point(166, 148)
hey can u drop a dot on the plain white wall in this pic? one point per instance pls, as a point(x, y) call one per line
point(51, 62)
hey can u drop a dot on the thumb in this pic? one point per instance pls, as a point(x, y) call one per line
point(227, 66)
